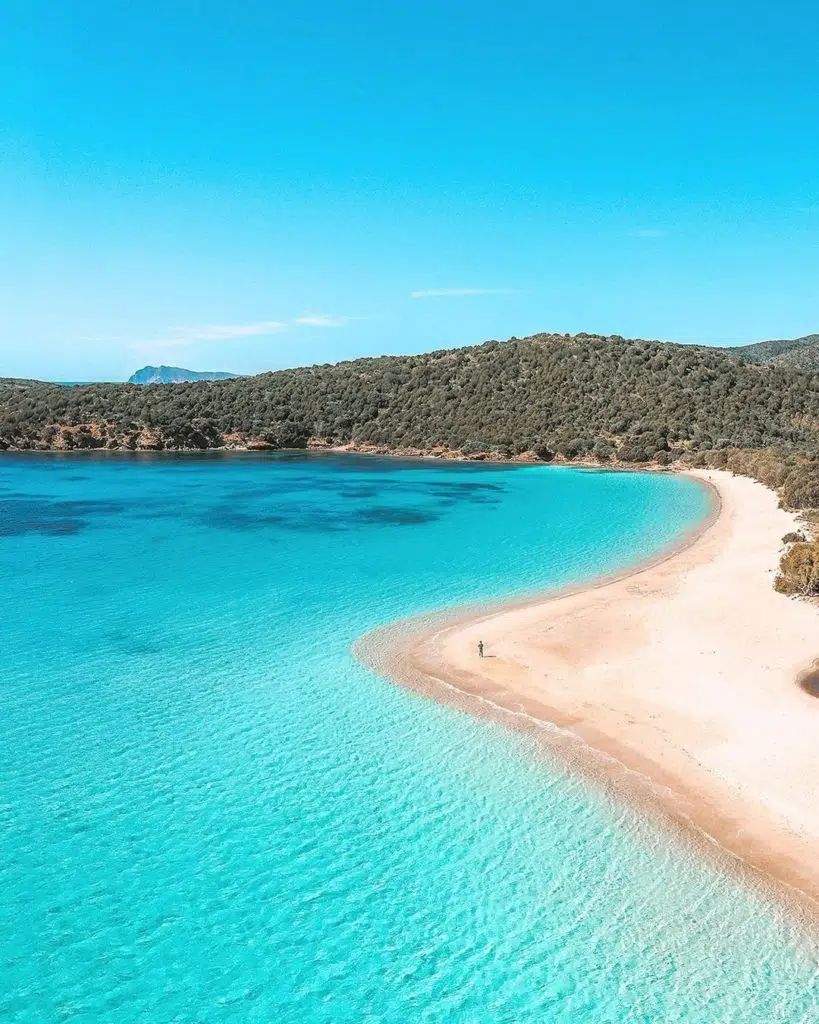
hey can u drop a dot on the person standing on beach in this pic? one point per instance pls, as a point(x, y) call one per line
point(480, 648)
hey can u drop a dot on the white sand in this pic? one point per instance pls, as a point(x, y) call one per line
point(685, 671)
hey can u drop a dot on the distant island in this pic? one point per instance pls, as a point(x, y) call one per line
point(176, 375)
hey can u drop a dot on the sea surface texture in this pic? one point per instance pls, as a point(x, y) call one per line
point(209, 812)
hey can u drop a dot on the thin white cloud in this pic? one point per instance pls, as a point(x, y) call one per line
point(183, 337)
point(322, 320)
point(225, 332)
point(648, 233)
point(179, 337)
point(439, 293)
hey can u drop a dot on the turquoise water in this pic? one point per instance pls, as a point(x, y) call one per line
point(211, 813)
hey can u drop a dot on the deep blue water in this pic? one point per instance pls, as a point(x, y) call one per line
point(211, 813)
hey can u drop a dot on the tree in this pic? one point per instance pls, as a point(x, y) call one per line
point(801, 488)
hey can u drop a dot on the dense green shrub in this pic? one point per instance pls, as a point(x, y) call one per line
point(793, 475)
point(800, 488)
point(799, 570)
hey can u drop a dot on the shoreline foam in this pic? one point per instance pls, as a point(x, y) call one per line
point(674, 684)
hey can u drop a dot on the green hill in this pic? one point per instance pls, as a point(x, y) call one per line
point(573, 395)
point(794, 354)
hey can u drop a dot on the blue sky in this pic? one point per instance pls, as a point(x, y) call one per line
point(256, 185)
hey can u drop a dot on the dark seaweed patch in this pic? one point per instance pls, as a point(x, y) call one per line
point(157, 511)
point(233, 519)
point(301, 518)
point(396, 516)
point(308, 518)
point(21, 516)
point(358, 492)
point(52, 528)
point(316, 523)
point(10, 495)
point(90, 509)
point(331, 481)
point(464, 486)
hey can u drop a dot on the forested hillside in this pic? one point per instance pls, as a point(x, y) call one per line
point(794, 354)
point(548, 393)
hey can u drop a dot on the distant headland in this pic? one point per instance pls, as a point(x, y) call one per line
point(176, 375)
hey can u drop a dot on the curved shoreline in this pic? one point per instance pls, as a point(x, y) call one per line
point(611, 708)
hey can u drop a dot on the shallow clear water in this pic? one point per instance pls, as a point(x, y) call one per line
point(211, 813)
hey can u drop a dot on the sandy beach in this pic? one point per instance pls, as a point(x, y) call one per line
point(685, 671)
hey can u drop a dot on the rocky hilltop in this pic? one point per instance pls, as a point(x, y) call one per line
point(175, 375)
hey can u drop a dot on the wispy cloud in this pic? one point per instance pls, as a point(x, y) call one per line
point(222, 332)
point(183, 337)
point(440, 293)
point(648, 233)
point(323, 320)
point(179, 337)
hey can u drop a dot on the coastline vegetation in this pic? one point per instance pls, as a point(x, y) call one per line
point(581, 398)
point(799, 570)
point(574, 396)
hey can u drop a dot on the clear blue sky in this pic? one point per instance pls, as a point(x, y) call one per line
point(251, 185)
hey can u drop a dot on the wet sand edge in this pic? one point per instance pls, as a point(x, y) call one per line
point(408, 652)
